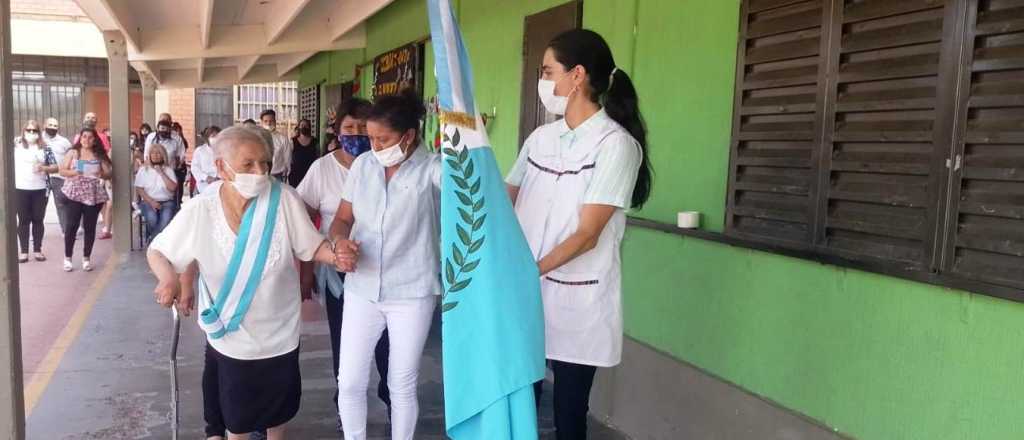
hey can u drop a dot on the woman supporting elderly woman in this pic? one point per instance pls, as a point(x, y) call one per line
point(244, 234)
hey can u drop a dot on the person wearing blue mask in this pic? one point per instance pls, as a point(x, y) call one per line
point(321, 189)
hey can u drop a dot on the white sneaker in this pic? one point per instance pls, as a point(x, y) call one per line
point(68, 267)
point(86, 265)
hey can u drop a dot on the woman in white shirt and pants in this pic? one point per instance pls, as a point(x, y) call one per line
point(30, 171)
point(386, 236)
point(257, 360)
point(571, 186)
point(321, 189)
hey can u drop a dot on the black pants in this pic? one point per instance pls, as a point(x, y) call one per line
point(211, 396)
point(80, 214)
point(31, 210)
point(572, 398)
point(335, 306)
point(180, 174)
point(59, 200)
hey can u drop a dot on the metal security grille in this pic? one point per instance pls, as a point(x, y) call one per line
point(309, 105)
point(213, 107)
point(39, 101)
point(282, 97)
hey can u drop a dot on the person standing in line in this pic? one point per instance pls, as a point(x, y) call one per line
point(282, 148)
point(89, 121)
point(321, 190)
point(144, 131)
point(30, 183)
point(386, 234)
point(304, 152)
point(155, 184)
point(571, 185)
point(84, 169)
point(203, 168)
point(59, 146)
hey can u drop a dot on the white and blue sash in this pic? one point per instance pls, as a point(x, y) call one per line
point(224, 314)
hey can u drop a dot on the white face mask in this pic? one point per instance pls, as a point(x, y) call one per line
point(554, 104)
point(390, 156)
point(249, 185)
point(270, 127)
point(31, 137)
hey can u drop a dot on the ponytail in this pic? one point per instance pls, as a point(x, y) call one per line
point(613, 89)
point(621, 103)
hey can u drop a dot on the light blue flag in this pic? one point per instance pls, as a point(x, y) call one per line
point(493, 319)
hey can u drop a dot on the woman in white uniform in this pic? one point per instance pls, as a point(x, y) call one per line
point(245, 234)
point(571, 185)
point(321, 190)
point(386, 235)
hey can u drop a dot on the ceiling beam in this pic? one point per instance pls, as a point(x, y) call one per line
point(232, 41)
point(279, 18)
point(220, 77)
point(143, 66)
point(124, 21)
point(246, 65)
point(347, 14)
point(205, 22)
point(290, 62)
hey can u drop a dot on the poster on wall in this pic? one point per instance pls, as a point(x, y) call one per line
point(395, 70)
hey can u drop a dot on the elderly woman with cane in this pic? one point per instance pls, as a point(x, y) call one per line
point(244, 234)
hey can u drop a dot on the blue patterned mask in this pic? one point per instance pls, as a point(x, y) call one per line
point(354, 144)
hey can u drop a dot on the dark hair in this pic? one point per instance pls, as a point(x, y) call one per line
point(331, 144)
point(612, 88)
point(164, 124)
point(97, 145)
point(145, 127)
point(249, 121)
point(268, 111)
point(355, 108)
point(401, 112)
point(176, 126)
point(297, 124)
point(208, 131)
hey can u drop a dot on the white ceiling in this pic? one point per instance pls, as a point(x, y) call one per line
point(210, 43)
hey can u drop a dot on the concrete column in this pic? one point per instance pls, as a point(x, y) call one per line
point(148, 99)
point(12, 400)
point(117, 60)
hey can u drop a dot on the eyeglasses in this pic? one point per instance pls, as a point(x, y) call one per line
point(31, 130)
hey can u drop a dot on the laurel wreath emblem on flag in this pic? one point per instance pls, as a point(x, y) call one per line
point(460, 264)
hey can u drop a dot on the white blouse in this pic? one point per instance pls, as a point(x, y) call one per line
point(200, 233)
point(148, 178)
point(25, 161)
point(322, 186)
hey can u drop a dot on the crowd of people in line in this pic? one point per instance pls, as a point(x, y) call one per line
point(270, 220)
point(77, 174)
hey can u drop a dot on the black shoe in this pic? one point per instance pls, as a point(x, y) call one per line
point(339, 426)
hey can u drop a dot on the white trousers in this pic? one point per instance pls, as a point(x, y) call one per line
point(362, 323)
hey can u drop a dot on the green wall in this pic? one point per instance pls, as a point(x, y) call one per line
point(874, 357)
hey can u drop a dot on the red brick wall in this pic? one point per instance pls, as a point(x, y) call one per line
point(182, 107)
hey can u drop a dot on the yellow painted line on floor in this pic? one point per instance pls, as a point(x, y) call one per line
point(46, 369)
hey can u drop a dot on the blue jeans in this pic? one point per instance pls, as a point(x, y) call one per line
point(158, 219)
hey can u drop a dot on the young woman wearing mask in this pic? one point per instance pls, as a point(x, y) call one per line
point(31, 168)
point(304, 152)
point(321, 189)
point(84, 169)
point(571, 186)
